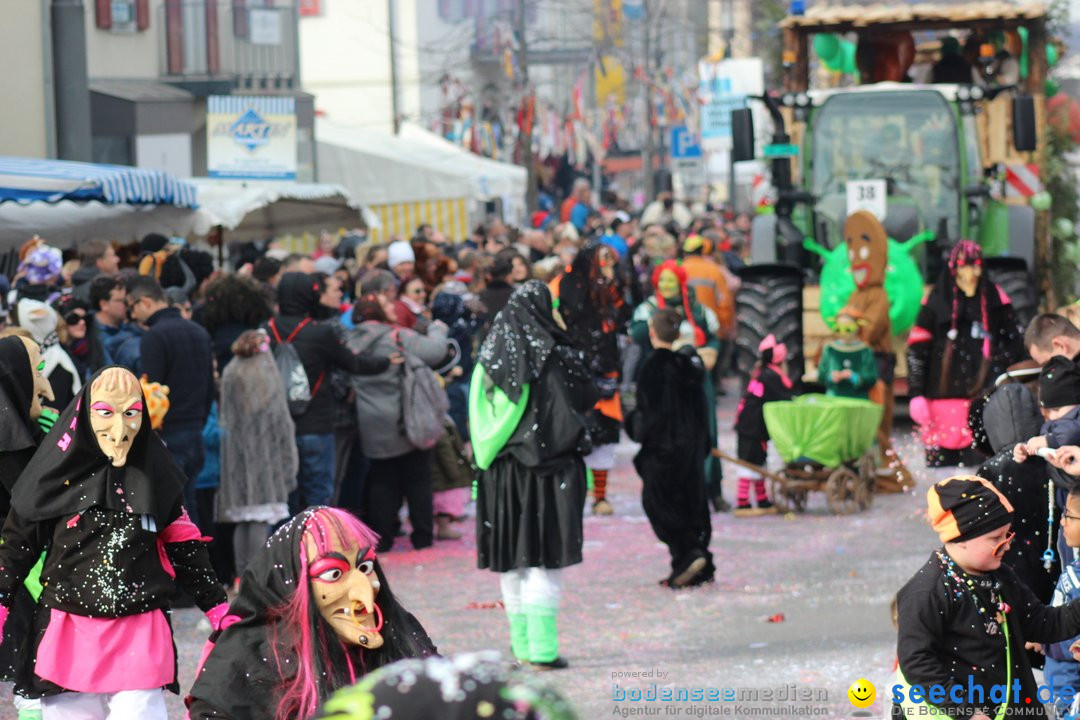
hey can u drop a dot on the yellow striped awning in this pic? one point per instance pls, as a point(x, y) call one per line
point(450, 217)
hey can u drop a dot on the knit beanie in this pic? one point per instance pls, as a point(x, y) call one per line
point(964, 507)
point(399, 252)
point(1059, 383)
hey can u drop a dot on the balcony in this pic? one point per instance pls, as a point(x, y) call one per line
point(220, 43)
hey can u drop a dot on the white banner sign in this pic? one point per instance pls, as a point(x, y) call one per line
point(723, 87)
point(249, 136)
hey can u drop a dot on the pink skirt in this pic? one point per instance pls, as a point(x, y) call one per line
point(948, 424)
point(107, 655)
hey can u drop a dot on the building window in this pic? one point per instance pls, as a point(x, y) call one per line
point(122, 15)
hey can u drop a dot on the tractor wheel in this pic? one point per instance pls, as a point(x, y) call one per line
point(769, 301)
point(1011, 275)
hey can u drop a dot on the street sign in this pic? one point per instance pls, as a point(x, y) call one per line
point(684, 144)
point(867, 195)
point(724, 86)
point(777, 151)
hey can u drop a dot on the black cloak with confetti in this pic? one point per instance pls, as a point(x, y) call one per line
point(19, 437)
point(1012, 416)
point(100, 527)
point(595, 313)
point(240, 679)
point(531, 498)
point(462, 687)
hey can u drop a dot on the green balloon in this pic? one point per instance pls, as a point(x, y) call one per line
point(847, 50)
point(1041, 201)
point(1050, 87)
point(826, 45)
point(903, 284)
point(1064, 228)
point(1051, 54)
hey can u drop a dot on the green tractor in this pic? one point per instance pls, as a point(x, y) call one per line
point(924, 157)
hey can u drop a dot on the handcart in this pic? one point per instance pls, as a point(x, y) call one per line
point(826, 444)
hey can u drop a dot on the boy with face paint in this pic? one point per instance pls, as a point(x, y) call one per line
point(102, 496)
point(964, 618)
point(699, 328)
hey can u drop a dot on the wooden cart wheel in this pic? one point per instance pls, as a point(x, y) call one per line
point(797, 496)
point(840, 491)
point(778, 490)
point(867, 480)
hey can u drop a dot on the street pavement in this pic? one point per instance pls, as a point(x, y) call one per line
point(798, 600)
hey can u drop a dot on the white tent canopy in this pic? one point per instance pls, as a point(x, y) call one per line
point(381, 169)
point(245, 209)
point(490, 179)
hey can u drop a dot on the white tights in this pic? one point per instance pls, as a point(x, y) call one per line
point(125, 705)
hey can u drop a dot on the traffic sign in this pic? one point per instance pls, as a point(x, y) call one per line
point(684, 144)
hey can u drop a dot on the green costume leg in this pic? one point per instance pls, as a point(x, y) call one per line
point(543, 633)
point(510, 583)
point(29, 715)
point(540, 594)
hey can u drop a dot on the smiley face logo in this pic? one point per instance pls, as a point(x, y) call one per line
point(862, 693)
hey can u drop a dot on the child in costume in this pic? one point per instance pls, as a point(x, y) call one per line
point(1059, 399)
point(102, 496)
point(964, 617)
point(847, 367)
point(1063, 658)
point(314, 614)
point(768, 383)
point(669, 422)
point(589, 300)
point(529, 395)
point(966, 335)
point(699, 328)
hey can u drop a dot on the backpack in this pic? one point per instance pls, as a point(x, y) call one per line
point(424, 403)
point(298, 390)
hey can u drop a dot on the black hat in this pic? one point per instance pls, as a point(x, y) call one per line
point(1059, 383)
point(964, 507)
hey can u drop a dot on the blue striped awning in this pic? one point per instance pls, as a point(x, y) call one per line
point(26, 180)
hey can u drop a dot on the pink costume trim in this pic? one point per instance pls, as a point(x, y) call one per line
point(1003, 296)
point(755, 388)
point(182, 530)
point(918, 335)
point(947, 426)
point(3, 619)
point(107, 655)
point(216, 614)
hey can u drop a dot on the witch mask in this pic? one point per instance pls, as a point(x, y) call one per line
point(868, 248)
point(345, 585)
point(42, 388)
point(116, 413)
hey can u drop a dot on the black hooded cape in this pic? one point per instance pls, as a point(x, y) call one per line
point(530, 500)
point(239, 679)
point(58, 483)
point(19, 435)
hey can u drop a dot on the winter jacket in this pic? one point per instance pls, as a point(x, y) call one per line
point(451, 467)
point(1011, 416)
point(121, 344)
point(943, 639)
point(707, 280)
point(319, 348)
point(378, 396)
point(1061, 669)
point(1063, 431)
point(176, 352)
